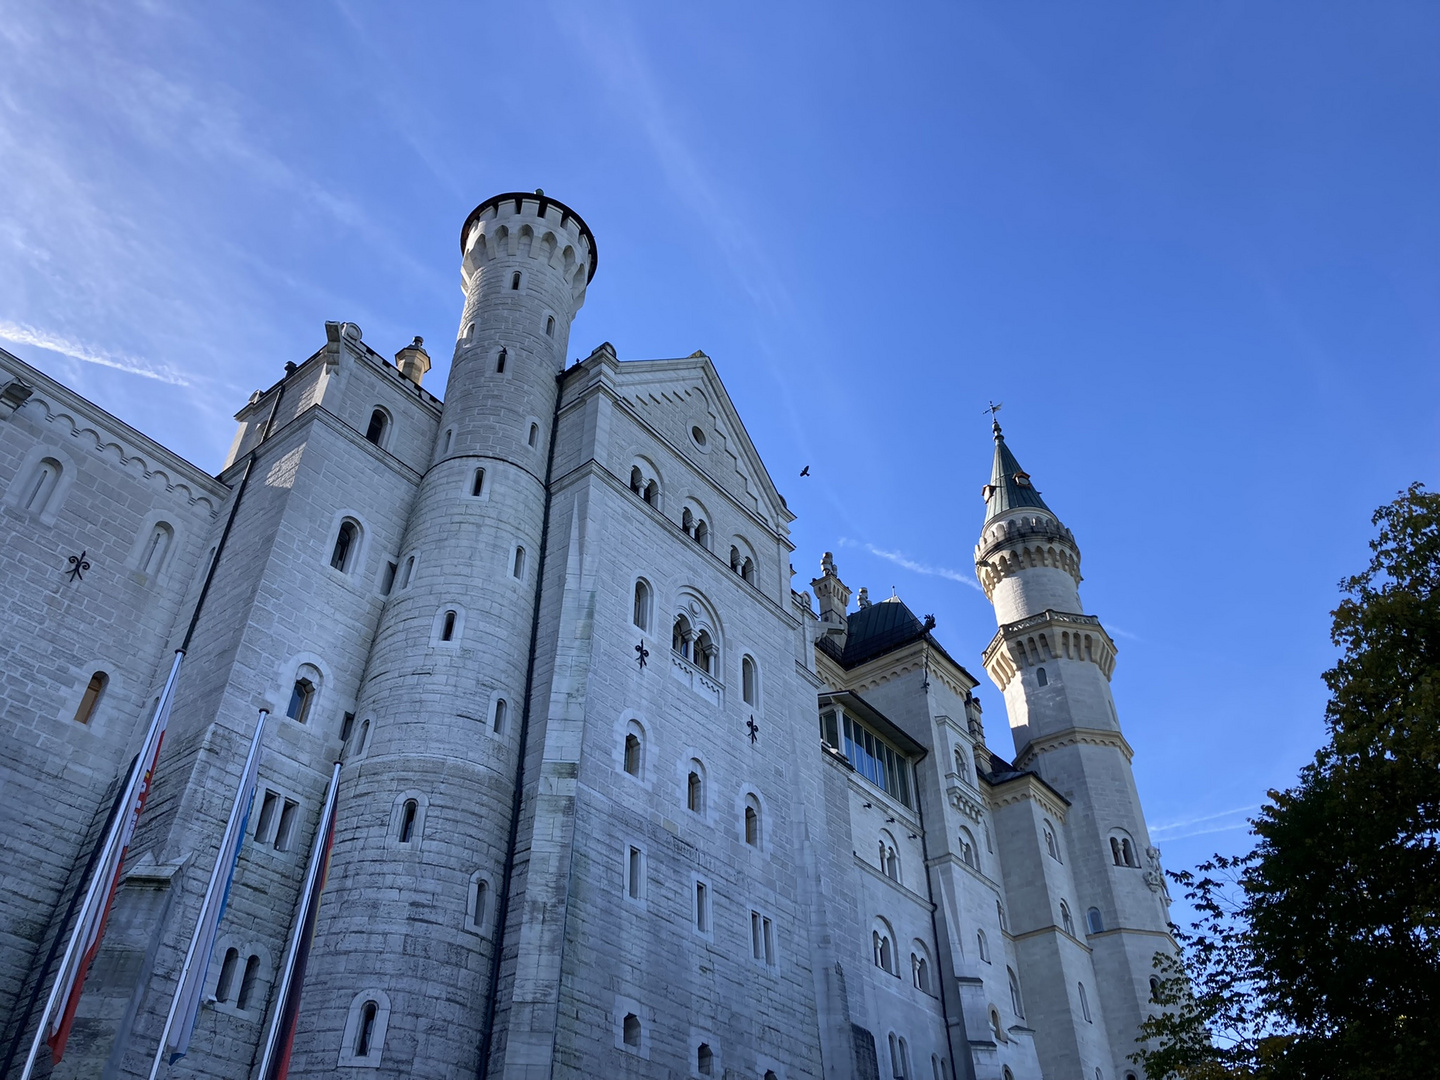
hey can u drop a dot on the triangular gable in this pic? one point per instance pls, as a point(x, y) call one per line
point(671, 395)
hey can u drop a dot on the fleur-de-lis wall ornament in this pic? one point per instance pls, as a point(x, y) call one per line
point(78, 566)
point(754, 729)
point(642, 654)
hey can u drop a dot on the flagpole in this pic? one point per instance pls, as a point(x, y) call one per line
point(287, 968)
point(118, 835)
point(228, 848)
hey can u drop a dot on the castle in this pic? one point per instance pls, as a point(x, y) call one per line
point(615, 801)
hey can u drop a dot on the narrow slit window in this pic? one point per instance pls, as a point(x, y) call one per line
point(515, 281)
point(46, 479)
point(227, 975)
point(704, 1060)
point(90, 700)
point(550, 326)
point(631, 1030)
point(376, 430)
point(267, 816)
point(747, 681)
point(447, 631)
point(500, 710)
point(366, 1033)
point(409, 572)
point(387, 580)
point(247, 982)
point(285, 831)
point(407, 820)
point(156, 548)
point(534, 437)
point(632, 754)
point(482, 900)
point(500, 358)
point(702, 908)
point(694, 793)
point(477, 483)
point(641, 615)
point(344, 542)
point(301, 697)
point(635, 874)
point(752, 822)
point(519, 569)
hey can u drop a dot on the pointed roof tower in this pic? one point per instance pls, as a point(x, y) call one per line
point(1010, 487)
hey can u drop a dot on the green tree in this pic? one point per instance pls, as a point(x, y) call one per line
point(1317, 955)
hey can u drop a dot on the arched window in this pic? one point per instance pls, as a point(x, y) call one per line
point(247, 982)
point(518, 570)
point(695, 789)
point(687, 522)
point(227, 975)
point(1005, 1073)
point(1094, 921)
point(1065, 918)
point(408, 572)
point(734, 558)
point(42, 486)
point(682, 637)
point(632, 754)
point(379, 421)
point(152, 557)
point(534, 437)
point(651, 493)
point(1128, 850)
point(920, 971)
point(479, 902)
point(302, 695)
point(366, 1034)
point(90, 700)
point(1000, 914)
point(967, 849)
point(1051, 847)
point(550, 326)
point(1015, 1003)
point(631, 1031)
point(752, 821)
point(982, 946)
point(1154, 990)
point(407, 821)
point(345, 545)
point(363, 738)
point(702, 534)
point(770, 1075)
point(449, 437)
point(937, 1069)
point(500, 362)
point(501, 709)
point(1041, 677)
point(1122, 850)
point(1084, 1003)
point(704, 1060)
point(637, 479)
point(889, 860)
point(882, 946)
point(641, 612)
point(515, 281)
point(447, 629)
point(477, 483)
point(747, 571)
point(904, 1059)
point(705, 652)
point(998, 1030)
point(748, 689)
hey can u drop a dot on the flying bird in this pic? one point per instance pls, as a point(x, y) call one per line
point(805, 471)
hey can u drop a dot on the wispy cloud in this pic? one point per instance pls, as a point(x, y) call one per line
point(1204, 824)
point(1115, 631)
point(20, 334)
point(900, 559)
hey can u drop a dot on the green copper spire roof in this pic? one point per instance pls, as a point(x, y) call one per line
point(1010, 487)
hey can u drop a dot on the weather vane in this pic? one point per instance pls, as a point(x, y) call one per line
point(993, 409)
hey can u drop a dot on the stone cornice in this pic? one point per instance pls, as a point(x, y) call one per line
point(919, 655)
point(1028, 788)
point(967, 801)
point(1072, 737)
point(1066, 636)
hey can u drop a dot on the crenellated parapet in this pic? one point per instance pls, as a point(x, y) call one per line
point(529, 226)
point(1012, 544)
point(1048, 636)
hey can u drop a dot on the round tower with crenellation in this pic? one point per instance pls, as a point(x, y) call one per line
point(401, 961)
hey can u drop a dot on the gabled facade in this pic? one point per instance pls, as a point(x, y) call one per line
point(616, 800)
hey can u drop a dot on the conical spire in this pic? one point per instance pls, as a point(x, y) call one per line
point(1010, 487)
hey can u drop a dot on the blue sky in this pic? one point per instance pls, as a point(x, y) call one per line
point(1191, 246)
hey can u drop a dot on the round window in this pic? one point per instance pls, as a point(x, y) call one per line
point(697, 435)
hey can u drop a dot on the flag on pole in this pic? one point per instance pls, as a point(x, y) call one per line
point(185, 1007)
point(90, 923)
point(275, 1063)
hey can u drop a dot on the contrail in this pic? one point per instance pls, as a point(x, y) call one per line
point(43, 339)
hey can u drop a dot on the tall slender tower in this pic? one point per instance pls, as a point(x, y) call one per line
point(1053, 663)
point(404, 945)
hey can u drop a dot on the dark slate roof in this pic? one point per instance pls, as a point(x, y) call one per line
point(1006, 491)
point(878, 629)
